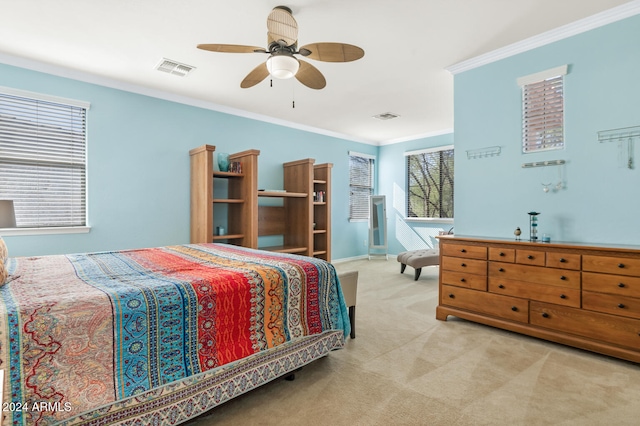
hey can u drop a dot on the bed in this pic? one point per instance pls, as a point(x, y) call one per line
point(158, 335)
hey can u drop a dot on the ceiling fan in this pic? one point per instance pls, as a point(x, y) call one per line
point(282, 40)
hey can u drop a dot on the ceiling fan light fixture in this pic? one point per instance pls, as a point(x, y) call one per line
point(282, 66)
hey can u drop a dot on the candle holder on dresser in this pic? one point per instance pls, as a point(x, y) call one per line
point(533, 226)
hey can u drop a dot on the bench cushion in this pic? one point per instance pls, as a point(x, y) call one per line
point(419, 258)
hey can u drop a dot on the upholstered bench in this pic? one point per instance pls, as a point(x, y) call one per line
point(417, 259)
point(349, 284)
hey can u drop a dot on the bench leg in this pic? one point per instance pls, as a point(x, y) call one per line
point(418, 270)
point(352, 320)
point(402, 268)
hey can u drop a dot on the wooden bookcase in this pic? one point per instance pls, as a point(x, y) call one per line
point(303, 220)
point(239, 202)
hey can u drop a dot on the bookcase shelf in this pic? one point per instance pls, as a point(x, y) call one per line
point(278, 194)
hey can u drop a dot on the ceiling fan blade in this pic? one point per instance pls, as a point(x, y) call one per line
point(281, 25)
point(333, 52)
point(230, 48)
point(258, 74)
point(310, 76)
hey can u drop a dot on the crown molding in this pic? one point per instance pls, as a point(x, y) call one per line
point(583, 25)
point(416, 137)
point(167, 96)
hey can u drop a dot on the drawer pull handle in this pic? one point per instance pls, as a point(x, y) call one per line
point(451, 296)
point(500, 286)
point(563, 278)
point(514, 308)
point(464, 265)
point(621, 305)
point(562, 296)
point(620, 265)
point(545, 315)
point(501, 270)
point(463, 250)
point(462, 280)
point(621, 285)
point(502, 254)
point(529, 257)
point(563, 260)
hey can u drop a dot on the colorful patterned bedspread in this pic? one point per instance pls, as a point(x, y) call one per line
point(81, 331)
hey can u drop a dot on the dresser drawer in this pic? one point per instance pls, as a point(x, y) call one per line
point(471, 266)
point(467, 251)
point(613, 284)
point(502, 255)
point(535, 274)
point(463, 279)
point(604, 327)
point(543, 293)
point(611, 304)
point(530, 257)
point(505, 307)
point(611, 265)
point(563, 260)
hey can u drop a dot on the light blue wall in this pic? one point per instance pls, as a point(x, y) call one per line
point(601, 201)
point(392, 182)
point(138, 166)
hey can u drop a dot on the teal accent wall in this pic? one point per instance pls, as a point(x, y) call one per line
point(600, 200)
point(138, 166)
point(392, 182)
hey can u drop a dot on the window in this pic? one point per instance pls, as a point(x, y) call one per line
point(543, 110)
point(43, 159)
point(430, 183)
point(360, 185)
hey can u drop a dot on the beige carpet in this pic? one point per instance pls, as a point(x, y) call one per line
point(407, 368)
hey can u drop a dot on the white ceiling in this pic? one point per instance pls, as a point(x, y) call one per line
point(408, 46)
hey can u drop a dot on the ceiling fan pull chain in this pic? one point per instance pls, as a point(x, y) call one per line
point(271, 83)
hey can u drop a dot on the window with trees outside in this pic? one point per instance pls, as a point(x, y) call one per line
point(430, 183)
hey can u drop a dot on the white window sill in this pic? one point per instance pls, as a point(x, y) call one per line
point(9, 232)
point(428, 220)
point(358, 220)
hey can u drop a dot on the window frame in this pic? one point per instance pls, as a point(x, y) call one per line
point(372, 165)
point(543, 110)
point(408, 154)
point(62, 102)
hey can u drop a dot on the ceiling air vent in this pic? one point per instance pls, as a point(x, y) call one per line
point(174, 67)
point(386, 116)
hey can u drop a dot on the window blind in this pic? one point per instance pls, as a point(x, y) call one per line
point(430, 184)
point(360, 186)
point(543, 115)
point(43, 161)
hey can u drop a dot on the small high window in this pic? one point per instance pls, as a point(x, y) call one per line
point(543, 110)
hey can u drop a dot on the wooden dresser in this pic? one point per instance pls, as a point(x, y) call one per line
point(587, 296)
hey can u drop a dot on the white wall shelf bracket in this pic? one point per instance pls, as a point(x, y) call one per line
point(491, 151)
point(543, 164)
point(625, 137)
